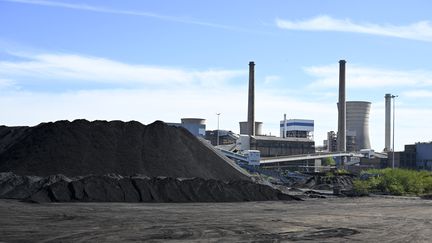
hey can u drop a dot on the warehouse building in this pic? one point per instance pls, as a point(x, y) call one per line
point(274, 146)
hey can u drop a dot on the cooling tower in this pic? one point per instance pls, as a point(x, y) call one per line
point(357, 120)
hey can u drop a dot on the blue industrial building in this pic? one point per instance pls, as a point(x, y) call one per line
point(424, 156)
point(416, 156)
point(297, 128)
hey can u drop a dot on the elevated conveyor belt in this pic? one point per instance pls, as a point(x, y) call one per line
point(308, 157)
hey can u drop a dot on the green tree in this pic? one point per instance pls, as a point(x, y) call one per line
point(329, 161)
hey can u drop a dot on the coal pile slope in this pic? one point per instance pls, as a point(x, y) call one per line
point(9, 136)
point(100, 147)
point(116, 188)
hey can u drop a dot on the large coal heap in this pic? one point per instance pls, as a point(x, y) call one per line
point(100, 147)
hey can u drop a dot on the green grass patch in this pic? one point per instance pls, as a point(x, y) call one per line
point(394, 182)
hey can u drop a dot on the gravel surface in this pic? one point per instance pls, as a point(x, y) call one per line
point(368, 219)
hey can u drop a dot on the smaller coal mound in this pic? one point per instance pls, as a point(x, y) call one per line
point(319, 182)
point(116, 188)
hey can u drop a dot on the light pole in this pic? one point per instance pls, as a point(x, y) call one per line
point(393, 157)
point(217, 138)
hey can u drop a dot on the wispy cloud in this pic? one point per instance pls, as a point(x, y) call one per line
point(107, 10)
point(421, 30)
point(418, 94)
point(6, 83)
point(271, 79)
point(367, 77)
point(146, 105)
point(75, 68)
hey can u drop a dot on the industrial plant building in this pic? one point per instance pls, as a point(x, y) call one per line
point(330, 144)
point(298, 142)
point(225, 137)
point(270, 146)
point(275, 146)
point(415, 156)
point(297, 128)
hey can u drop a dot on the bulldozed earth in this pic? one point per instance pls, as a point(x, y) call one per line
point(366, 219)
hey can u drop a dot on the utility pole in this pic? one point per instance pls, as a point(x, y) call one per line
point(217, 139)
point(393, 143)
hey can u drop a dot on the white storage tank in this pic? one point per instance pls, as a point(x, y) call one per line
point(196, 126)
point(258, 128)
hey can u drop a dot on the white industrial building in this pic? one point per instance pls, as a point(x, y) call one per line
point(297, 128)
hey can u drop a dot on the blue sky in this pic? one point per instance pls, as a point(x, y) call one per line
point(164, 60)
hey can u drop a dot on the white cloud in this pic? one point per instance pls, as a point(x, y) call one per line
point(271, 79)
point(107, 10)
point(72, 68)
point(367, 77)
point(27, 107)
point(421, 30)
point(146, 106)
point(169, 105)
point(6, 83)
point(418, 94)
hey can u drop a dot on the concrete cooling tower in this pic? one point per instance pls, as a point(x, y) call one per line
point(357, 122)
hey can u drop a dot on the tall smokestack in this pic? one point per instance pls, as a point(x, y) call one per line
point(387, 121)
point(341, 138)
point(251, 100)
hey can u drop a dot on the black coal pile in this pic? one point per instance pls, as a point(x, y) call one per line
point(116, 188)
point(118, 161)
point(126, 148)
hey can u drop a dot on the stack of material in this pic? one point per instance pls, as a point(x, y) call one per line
point(99, 161)
point(116, 188)
point(81, 148)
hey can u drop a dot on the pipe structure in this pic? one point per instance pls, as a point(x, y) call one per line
point(341, 137)
point(393, 151)
point(217, 139)
point(251, 100)
point(387, 134)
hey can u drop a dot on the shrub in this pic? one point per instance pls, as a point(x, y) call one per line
point(328, 161)
point(395, 181)
point(361, 187)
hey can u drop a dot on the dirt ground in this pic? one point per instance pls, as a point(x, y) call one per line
point(372, 219)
